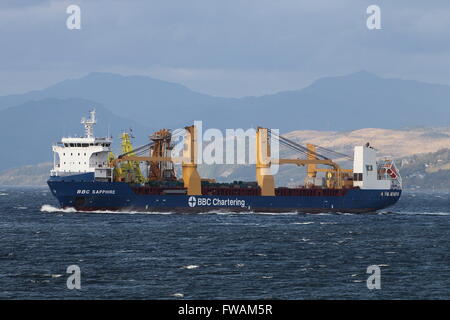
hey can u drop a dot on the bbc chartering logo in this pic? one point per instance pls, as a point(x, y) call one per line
point(192, 201)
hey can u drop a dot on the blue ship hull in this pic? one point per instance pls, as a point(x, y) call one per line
point(85, 194)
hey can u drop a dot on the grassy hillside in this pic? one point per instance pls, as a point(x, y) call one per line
point(32, 175)
point(394, 143)
point(426, 171)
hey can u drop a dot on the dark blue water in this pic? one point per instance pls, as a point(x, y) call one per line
point(222, 256)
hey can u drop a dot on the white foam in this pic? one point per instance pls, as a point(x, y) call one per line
point(178, 295)
point(275, 213)
point(132, 212)
point(222, 212)
point(52, 275)
point(303, 222)
point(190, 267)
point(3, 194)
point(230, 212)
point(52, 209)
point(426, 213)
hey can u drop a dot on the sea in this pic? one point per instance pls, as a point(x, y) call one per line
point(402, 252)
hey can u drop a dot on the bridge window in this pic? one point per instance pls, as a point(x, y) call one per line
point(357, 177)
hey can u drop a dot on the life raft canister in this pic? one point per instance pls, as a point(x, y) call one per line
point(391, 172)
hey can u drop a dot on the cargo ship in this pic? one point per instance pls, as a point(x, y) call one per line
point(88, 176)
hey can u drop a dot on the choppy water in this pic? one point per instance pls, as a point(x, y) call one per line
point(209, 256)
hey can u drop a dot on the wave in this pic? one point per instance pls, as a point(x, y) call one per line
point(190, 267)
point(55, 275)
point(431, 213)
point(426, 213)
point(309, 222)
point(274, 213)
point(52, 209)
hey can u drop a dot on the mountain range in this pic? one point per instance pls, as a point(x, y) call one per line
point(32, 121)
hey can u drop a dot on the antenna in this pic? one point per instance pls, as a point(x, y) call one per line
point(89, 124)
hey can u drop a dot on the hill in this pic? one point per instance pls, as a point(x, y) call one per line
point(427, 171)
point(343, 103)
point(31, 175)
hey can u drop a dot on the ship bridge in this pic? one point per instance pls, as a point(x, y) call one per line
point(78, 155)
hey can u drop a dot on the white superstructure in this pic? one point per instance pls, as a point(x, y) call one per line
point(368, 173)
point(83, 155)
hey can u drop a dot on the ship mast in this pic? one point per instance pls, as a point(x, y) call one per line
point(89, 124)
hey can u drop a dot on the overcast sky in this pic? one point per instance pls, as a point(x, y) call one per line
point(222, 47)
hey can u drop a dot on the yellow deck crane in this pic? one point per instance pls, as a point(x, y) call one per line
point(128, 171)
point(335, 174)
point(191, 178)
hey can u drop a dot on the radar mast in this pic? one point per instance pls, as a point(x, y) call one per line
point(89, 124)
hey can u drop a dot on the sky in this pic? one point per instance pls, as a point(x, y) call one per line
point(228, 48)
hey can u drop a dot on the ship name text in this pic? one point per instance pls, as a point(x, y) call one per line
point(87, 191)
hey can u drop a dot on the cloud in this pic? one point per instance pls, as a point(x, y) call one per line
point(20, 4)
point(234, 47)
